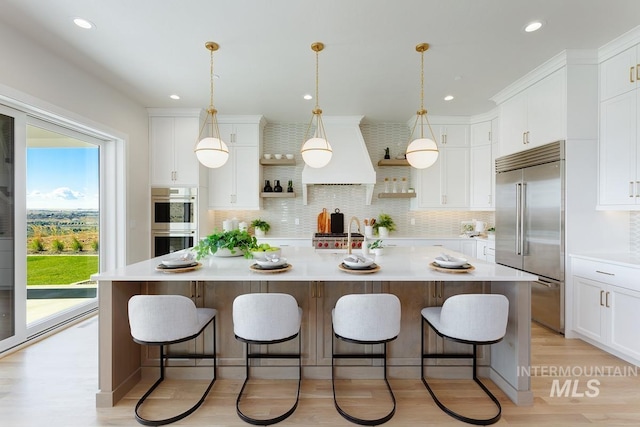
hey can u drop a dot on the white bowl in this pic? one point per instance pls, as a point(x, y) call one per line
point(451, 262)
point(277, 156)
point(178, 262)
point(275, 263)
point(289, 156)
point(357, 261)
point(267, 156)
point(263, 254)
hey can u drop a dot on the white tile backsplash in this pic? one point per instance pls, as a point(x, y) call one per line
point(281, 214)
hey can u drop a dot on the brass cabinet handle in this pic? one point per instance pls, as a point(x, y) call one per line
point(637, 71)
point(601, 293)
point(630, 188)
point(637, 188)
point(523, 138)
point(606, 298)
point(441, 290)
point(631, 74)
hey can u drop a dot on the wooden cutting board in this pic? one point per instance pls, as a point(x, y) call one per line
point(324, 222)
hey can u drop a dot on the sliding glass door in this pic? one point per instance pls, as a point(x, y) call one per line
point(12, 295)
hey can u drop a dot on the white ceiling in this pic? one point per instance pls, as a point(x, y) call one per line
point(150, 49)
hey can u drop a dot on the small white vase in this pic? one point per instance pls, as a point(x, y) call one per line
point(368, 230)
point(383, 232)
point(259, 232)
point(378, 251)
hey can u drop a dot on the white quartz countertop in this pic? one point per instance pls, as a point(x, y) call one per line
point(626, 259)
point(397, 264)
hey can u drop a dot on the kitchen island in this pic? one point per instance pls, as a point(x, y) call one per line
point(316, 282)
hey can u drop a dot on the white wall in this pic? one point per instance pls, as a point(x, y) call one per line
point(32, 75)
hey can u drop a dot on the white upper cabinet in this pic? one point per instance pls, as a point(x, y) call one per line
point(236, 185)
point(619, 154)
point(445, 185)
point(172, 136)
point(535, 116)
point(620, 73)
point(482, 177)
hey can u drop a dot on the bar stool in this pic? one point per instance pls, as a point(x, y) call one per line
point(267, 318)
point(160, 320)
point(365, 319)
point(476, 319)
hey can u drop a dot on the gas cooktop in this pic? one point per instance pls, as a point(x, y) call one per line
point(337, 241)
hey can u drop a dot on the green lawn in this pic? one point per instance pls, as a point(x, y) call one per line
point(60, 269)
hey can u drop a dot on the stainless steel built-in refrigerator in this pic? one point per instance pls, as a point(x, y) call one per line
point(530, 188)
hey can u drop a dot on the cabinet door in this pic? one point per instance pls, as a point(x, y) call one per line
point(161, 148)
point(428, 184)
point(455, 178)
point(617, 150)
point(619, 74)
point(222, 184)
point(247, 178)
point(546, 111)
point(240, 133)
point(187, 167)
point(481, 250)
point(482, 177)
point(588, 309)
point(480, 133)
point(454, 136)
point(513, 123)
point(624, 318)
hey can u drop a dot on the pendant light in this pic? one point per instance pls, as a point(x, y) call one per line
point(316, 151)
point(211, 150)
point(422, 152)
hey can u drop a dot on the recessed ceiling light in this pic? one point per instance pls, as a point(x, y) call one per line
point(308, 97)
point(448, 97)
point(533, 26)
point(174, 96)
point(83, 23)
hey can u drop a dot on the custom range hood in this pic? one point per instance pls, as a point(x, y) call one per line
point(350, 163)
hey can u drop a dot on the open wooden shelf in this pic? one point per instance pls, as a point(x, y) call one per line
point(396, 195)
point(278, 162)
point(393, 162)
point(283, 195)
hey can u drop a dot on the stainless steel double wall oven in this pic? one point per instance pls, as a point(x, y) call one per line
point(174, 219)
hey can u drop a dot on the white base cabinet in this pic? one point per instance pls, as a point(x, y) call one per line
point(486, 250)
point(607, 306)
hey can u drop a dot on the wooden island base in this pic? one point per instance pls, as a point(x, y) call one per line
point(123, 363)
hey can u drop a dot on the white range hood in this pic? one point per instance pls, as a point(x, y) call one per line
point(350, 163)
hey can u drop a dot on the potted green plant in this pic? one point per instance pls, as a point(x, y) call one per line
point(226, 243)
point(260, 227)
point(384, 225)
point(376, 247)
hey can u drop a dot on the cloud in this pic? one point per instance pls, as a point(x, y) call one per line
point(65, 193)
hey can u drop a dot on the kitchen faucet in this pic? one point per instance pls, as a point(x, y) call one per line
point(349, 233)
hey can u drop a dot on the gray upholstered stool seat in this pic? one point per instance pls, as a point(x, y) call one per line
point(160, 320)
point(267, 318)
point(365, 319)
point(476, 319)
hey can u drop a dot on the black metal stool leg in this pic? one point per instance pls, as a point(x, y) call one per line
point(189, 411)
point(347, 416)
point(474, 421)
point(274, 420)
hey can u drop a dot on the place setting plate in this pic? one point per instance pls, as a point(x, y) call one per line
point(448, 264)
point(357, 264)
point(278, 265)
point(179, 268)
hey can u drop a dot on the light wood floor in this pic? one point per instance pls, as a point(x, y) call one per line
point(53, 383)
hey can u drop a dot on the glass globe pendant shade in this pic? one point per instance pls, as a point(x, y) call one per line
point(212, 152)
point(422, 153)
point(316, 152)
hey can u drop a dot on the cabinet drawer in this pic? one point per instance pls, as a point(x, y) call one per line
point(625, 277)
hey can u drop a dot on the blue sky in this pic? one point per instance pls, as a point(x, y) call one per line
point(62, 178)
